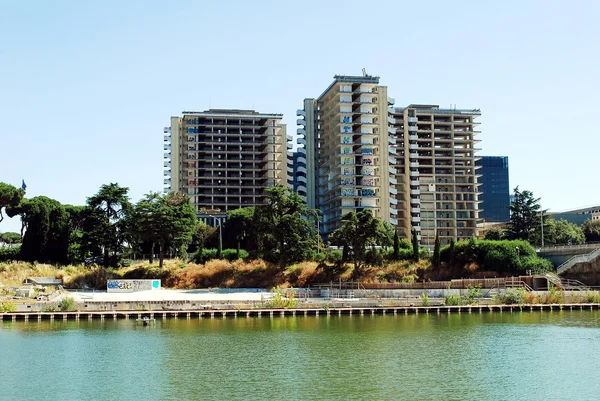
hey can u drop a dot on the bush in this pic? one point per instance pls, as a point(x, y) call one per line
point(472, 293)
point(227, 254)
point(9, 254)
point(513, 296)
point(424, 299)
point(67, 304)
point(335, 255)
point(374, 257)
point(50, 308)
point(8, 307)
point(279, 301)
point(592, 297)
point(536, 265)
point(452, 300)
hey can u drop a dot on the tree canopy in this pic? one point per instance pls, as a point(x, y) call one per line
point(284, 226)
point(562, 232)
point(165, 220)
point(358, 231)
point(10, 238)
point(106, 222)
point(524, 215)
point(10, 196)
point(591, 230)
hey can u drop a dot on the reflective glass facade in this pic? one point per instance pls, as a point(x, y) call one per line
point(495, 188)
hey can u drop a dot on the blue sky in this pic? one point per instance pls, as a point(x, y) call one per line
point(87, 87)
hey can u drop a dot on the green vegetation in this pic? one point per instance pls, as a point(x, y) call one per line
point(473, 292)
point(424, 299)
point(452, 300)
point(67, 304)
point(513, 296)
point(525, 216)
point(499, 256)
point(8, 307)
point(10, 196)
point(10, 238)
point(591, 230)
point(281, 301)
point(592, 297)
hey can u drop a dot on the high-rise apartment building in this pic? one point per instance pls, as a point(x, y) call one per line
point(435, 172)
point(297, 172)
point(495, 189)
point(224, 159)
point(413, 166)
point(345, 133)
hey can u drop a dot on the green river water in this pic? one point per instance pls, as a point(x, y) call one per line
point(492, 356)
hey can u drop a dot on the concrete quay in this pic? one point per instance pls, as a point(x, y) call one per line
point(269, 312)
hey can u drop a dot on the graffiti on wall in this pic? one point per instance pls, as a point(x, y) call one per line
point(132, 285)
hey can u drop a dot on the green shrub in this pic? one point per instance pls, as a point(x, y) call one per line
point(592, 297)
point(228, 254)
point(424, 299)
point(374, 257)
point(536, 264)
point(50, 308)
point(9, 254)
point(8, 307)
point(335, 255)
point(67, 304)
point(279, 301)
point(472, 293)
point(513, 296)
point(452, 300)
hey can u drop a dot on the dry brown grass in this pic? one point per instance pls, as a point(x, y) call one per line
point(215, 273)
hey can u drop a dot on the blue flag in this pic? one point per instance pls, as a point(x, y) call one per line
point(24, 186)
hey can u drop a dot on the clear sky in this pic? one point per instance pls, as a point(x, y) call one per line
point(87, 87)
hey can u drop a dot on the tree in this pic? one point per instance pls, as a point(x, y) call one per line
point(47, 229)
point(10, 238)
point(591, 230)
point(524, 215)
point(358, 231)
point(562, 232)
point(10, 196)
point(415, 245)
point(284, 232)
point(497, 234)
point(396, 245)
point(202, 232)
point(435, 261)
point(110, 208)
point(165, 219)
point(238, 226)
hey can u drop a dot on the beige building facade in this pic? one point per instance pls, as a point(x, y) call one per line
point(224, 159)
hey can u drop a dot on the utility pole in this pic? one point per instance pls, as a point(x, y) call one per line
point(542, 224)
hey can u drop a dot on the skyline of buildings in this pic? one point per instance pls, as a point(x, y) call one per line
point(414, 167)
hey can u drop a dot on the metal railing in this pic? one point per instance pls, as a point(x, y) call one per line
point(585, 258)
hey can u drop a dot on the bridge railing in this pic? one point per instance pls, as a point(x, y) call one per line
point(559, 247)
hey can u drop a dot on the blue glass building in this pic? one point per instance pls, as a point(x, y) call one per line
point(495, 188)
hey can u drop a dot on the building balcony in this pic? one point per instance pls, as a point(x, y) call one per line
point(414, 173)
point(414, 183)
point(415, 192)
point(393, 181)
point(412, 128)
point(415, 210)
point(415, 201)
point(414, 155)
point(300, 113)
point(167, 155)
point(394, 222)
point(413, 137)
point(167, 181)
point(413, 146)
point(392, 130)
point(392, 170)
point(393, 212)
point(167, 164)
point(413, 119)
point(391, 140)
point(301, 122)
point(415, 219)
point(167, 138)
point(393, 201)
point(301, 141)
point(391, 160)
point(414, 164)
point(393, 191)
point(391, 120)
point(301, 178)
point(301, 169)
point(392, 150)
point(301, 131)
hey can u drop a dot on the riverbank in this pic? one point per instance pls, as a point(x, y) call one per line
point(279, 312)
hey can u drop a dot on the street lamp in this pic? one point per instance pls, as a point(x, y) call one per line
point(220, 248)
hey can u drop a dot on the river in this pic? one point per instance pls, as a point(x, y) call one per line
point(490, 356)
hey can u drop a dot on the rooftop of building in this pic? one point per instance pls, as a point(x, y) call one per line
point(582, 210)
point(435, 109)
point(232, 113)
point(355, 79)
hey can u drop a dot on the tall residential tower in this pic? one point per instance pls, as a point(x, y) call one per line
point(224, 159)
